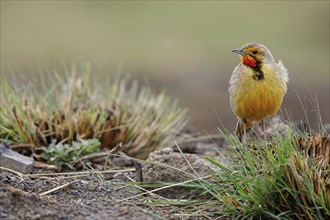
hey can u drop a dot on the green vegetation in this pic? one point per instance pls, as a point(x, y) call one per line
point(69, 105)
point(65, 154)
point(286, 179)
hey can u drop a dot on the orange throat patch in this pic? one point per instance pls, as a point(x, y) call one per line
point(249, 61)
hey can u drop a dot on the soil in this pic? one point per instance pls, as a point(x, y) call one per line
point(98, 197)
point(85, 198)
point(93, 196)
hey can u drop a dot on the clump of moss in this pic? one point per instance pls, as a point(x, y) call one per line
point(76, 104)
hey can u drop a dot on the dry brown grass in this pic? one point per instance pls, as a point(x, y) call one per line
point(77, 105)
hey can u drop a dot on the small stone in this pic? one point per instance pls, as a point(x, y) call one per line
point(13, 160)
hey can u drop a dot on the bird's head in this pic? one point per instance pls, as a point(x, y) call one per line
point(254, 54)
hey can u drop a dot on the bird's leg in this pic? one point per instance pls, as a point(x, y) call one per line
point(264, 129)
point(244, 133)
point(238, 130)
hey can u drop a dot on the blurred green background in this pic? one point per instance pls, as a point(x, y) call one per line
point(183, 47)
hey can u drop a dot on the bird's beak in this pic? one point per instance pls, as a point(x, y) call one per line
point(239, 51)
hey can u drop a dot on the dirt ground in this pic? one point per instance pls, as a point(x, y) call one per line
point(88, 196)
point(85, 198)
point(92, 195)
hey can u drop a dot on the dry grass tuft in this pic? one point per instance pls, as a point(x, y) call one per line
point(75, 104)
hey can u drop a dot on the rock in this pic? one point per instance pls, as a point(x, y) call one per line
point(169, 166)
point(13, 160)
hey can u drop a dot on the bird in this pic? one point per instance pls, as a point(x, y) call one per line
point(257, 87)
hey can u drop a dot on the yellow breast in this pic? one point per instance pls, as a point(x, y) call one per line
point(252, 100)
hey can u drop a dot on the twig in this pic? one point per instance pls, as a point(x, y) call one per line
point(98, 155)
point(91, 156)
point(138, 171)
point(21, 175)
point(60, 187)
point(78, 173)
point(41, 165)
point(22, 146)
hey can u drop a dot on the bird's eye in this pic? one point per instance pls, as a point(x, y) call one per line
point(255, 52)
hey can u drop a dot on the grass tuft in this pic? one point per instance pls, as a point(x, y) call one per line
point(68, 105)
point(288, 178)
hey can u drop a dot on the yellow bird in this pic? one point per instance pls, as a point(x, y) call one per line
point(257, 87)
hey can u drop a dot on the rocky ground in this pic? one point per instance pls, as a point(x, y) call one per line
point(96, 196)
point(93, 195)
